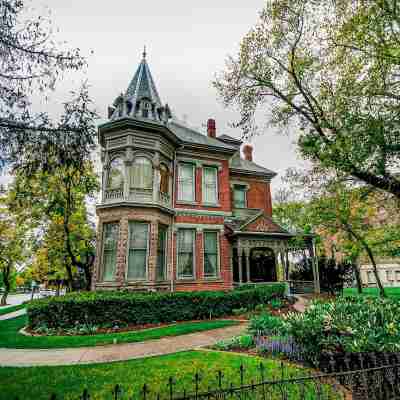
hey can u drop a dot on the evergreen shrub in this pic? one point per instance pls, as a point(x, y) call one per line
point(111, 308)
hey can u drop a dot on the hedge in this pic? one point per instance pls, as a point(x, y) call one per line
point(123, 308)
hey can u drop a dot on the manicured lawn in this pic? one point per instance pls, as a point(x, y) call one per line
point(6, 310)
point(393, 292)
point(68, 382)
point(10, 337)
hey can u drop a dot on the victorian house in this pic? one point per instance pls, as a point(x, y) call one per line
point(180, 210)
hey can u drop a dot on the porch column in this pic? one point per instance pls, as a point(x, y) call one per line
point(287, 265)
point(247, 256)
point(240, 264)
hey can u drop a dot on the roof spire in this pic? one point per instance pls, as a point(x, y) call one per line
point(144, 52)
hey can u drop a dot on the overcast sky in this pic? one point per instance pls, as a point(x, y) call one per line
point(187, 43)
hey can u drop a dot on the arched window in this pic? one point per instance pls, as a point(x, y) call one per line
point(164, 181)
point(115, 175)
point(141, 176)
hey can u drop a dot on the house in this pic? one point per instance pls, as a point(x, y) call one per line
point(180, 210)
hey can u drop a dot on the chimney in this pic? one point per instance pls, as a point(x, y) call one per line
point(211, 131)
point(248, 152)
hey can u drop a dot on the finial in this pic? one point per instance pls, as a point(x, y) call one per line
point(144, 52)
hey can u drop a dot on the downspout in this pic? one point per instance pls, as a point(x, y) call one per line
point(173, 251)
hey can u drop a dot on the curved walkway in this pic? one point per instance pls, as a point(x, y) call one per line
point(116, 352)
point(13, 314)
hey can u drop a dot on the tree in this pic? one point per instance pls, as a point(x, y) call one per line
point(13, 247)
point(330, 71)
point(56, 203)
point(32, 62)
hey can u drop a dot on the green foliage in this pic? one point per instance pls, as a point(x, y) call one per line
point(237, 342)
point(266, 324)
point(239, 311)
point(276, 303)
point(99, 308)
point(351, 324)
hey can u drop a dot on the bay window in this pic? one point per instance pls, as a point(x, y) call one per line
point(110, 240)
point(211, 254)
point(161, 253)
point(137, 250)
point(186, 243)
point(141, 174)
point(210, 185)
point(115, 179)
point(186, 182)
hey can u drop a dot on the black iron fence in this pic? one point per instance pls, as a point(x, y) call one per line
point(284, 383)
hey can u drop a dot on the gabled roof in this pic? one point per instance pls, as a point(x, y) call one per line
point(259, 223)
point(192, 137)
point(239, 165)
point(230, 140)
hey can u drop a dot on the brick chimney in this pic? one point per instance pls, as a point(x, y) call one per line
point(211, 131)
point(248, 152)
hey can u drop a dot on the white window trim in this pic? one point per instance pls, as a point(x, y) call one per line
point(183, 201)
point(216, 204)
point(147, 252)
point(102, 252)
point(186, 278)
point(218, 272)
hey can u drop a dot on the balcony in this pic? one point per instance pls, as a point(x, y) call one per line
point(137, 196)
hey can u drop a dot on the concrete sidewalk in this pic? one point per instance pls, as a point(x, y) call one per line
point(13, 314)
point(116, 352)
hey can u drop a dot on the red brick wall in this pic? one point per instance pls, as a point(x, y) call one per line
point(224, 193)
point(258, 195)
point(223, 282)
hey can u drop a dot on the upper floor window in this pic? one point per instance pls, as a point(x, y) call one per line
point(186, 182)
point(109, 260)
point(164, 179)
point(141, 176)
point(137, 251)
point(186, 242)
point(239, 196)
point(115, 179)
point(210, 185)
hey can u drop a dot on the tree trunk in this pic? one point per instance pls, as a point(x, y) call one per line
point(7, 284)
point(372, 259)
point(3, 301)
point(357, 275)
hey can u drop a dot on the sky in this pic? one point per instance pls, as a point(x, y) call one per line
point(187, 43)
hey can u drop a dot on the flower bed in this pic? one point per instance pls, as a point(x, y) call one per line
point(107, 309)
point(346, 325)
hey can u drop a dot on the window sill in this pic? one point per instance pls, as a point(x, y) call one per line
point(183, 202)
point(216, 205)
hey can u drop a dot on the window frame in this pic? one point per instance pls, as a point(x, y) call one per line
point(179, 199)
point(131, 173)
point(146, 277)
point(117, 223)
point(166, 230)
point(122, 172)
point(203, 184)
point(218, 267)
point(244, 189)
point(193, 276)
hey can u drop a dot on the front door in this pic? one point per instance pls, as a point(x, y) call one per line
point(262, 265)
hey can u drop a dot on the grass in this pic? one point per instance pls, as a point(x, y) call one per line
point(69, 382)
point(11, 338)
point(7, 310)
point(391, 292)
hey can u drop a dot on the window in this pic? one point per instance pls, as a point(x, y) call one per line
point(186, 181)
point(210, 254)
point(164, 179)
point(110, 239)
point(141, 174)
point(115, 179)
point(239, 196)
point(210, 185)
point(371, 277)
point(186, 240)
point(137, 252)
point(161, 253)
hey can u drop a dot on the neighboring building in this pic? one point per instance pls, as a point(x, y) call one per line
point(179, 207)
point(388, 271)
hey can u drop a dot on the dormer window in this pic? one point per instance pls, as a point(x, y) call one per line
point(145, 109)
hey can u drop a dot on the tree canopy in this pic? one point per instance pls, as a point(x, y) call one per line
point(330, 71)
